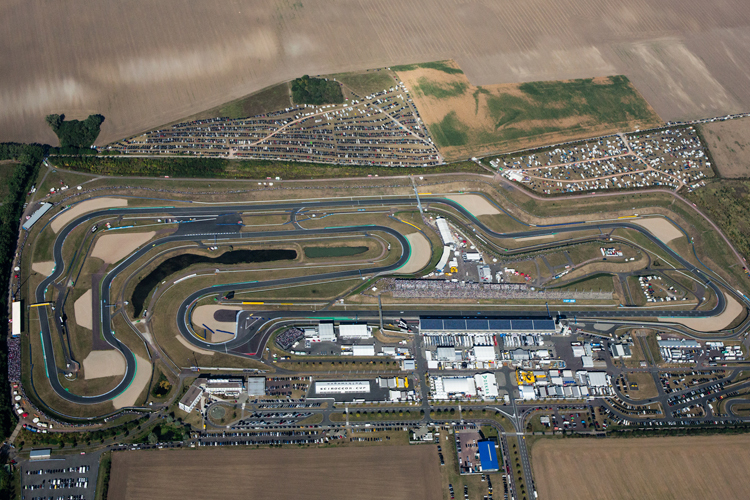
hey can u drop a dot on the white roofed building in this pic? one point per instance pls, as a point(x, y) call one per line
point(486, 385)
point(358, 331)
point(484, 353)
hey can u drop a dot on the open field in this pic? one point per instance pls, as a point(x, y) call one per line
point(465, 119)
point(151, 64)
point(642, 468)
point(358, 473)
point(729, 143)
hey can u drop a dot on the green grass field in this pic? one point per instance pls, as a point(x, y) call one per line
point(367, 82)
point(436, 65)
point(269, 99)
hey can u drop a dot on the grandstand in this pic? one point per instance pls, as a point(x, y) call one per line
point(437, 325)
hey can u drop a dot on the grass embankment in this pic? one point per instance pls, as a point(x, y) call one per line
point(241, 169)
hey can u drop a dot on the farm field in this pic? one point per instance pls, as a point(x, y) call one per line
point(464, 119)
point(729, 143)
point(642, 468)
point(148, 64)
point(359, 473)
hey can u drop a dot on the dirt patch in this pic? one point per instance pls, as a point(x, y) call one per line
point(192, 347)
point(131, 394)
point(216, 317)
point(45, 268)
point(729, 143)
point(661, 228)
point(532, 238)
point(475, 204)
point(100, 364)
point(642, 468)
point(112, 248)
point(83, 309)
point(412, 473)
point(85, 206)
point(420, 253)
point(714, 324)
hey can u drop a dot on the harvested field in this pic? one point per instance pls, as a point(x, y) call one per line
point(715, 323)
point(83, 309)
point(665, 468)
point(475, 204)
point(729, 143)
point(464, 119)
point(44, 268)
point(100, 364)
point(83, 207)
point(366, 473)
point(145, 64)
point(661, 228)
point(142, 377)
point(113, 247)
point(420, 254)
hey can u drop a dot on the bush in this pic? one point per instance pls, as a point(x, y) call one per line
point(316, 91)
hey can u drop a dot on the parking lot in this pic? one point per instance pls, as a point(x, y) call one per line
point(62, 477)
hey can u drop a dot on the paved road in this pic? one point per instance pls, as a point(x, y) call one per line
point(221, 222)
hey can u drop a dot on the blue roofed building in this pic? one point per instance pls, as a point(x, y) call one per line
point(487, 456)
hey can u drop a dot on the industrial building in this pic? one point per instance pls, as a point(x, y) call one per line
point(38, 213)
point(343, 387)
point(190, 400)
point(355, 331)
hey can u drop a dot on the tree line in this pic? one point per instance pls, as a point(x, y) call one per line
point(75, 135)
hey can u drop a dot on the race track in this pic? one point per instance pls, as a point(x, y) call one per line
point(220, 222)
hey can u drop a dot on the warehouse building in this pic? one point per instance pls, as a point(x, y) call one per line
point(343, 387)
point(355, 331)
point(452, 387)
point(487, 456)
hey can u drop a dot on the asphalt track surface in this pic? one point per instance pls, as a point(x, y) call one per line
point(222, 222)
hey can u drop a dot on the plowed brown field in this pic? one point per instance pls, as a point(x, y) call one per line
point(366, 473)
point(673, 468)
point(142, 63)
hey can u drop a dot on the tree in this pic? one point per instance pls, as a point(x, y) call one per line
point(54, 121)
